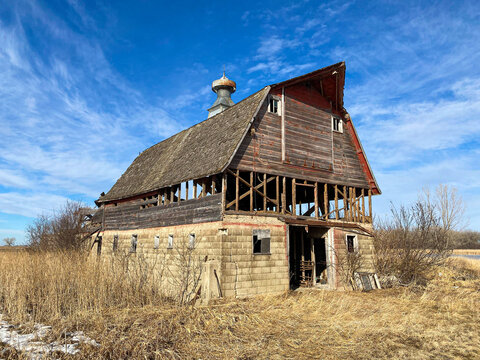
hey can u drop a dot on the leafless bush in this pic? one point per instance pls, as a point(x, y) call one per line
point(61, 231)
point(347, 264)
point(185, 271)
point(419, 237)
point(9, 241)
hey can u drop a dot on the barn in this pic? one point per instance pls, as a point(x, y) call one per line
point(269, 194)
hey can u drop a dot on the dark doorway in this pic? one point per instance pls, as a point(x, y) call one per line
point(308, 260)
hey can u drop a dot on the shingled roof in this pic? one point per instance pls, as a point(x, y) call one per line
point(202, 150)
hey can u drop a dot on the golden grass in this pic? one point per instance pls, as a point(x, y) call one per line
point(466, 252)
point(440, 321)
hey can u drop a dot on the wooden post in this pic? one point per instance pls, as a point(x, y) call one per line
point(336, 203)
point(264, 192)
point(186, 190)
point(194, 189)
point(237, 185)
point(363, 205)
point(312, 258)
point(277, 209)
point(345, 203)
point(214, 179)
point(325, 200)
point(370, 205)
point(204, 187)
point(315, 192)
point(284, 194)
point(294, 198)
point(159, 198)
point(179, 190)
point(224, 190)
point(172, 194)
point(251, 190)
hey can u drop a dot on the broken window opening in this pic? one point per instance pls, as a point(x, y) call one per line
point(261, 241)
point(170, 242)
point(133, 244)
point(337, 124)
point(191, 241)
point(352, 243)
point(274, 105)
point(156, 242)
point(99, 245)
point(115, 243)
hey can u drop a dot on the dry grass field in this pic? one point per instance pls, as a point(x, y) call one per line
point(466, 252)
point(125, 312)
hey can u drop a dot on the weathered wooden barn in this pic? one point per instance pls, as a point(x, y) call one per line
point(270, 191)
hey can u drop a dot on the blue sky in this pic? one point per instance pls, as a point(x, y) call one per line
point(86, 86)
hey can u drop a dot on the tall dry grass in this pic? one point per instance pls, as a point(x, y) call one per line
point(106, 301)
point(45, 286)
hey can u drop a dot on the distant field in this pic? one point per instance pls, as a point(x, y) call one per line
point(11, 248)
point(128, 316)
point(466, 252)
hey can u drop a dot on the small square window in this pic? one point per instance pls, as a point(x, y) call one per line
point(191, 241)
point(115, 243)
point(133, 245)
point(274, 105)
point(261, 241)
point(170, 242)
point(352, 245)
point(156, 242)
point(337, 124)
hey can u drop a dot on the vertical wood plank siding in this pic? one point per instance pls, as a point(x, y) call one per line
point(313, 151)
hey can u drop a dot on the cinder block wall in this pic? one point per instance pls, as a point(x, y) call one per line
point(244, 273)
point(365, 248)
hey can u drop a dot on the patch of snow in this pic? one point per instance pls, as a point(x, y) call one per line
point(34, 346)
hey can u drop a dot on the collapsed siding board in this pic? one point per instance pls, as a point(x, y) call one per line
point(130, 216)
point(309, 143)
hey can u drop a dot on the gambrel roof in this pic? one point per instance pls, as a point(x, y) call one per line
point(208, 147)
point(201, 150)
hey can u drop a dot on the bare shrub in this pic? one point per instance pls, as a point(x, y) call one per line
point(9, 241)
point(185, 272)
point(62, 230)
point(419, 237)
point(347, 265)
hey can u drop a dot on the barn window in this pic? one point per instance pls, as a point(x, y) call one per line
point(115, 243)
point(261, 241)
point(352, 244)
point(274, 105)
point(133, 245)
point(156, 242)
point(191, 241)
point(170, 242)
point(337, 124)
point(99, 245)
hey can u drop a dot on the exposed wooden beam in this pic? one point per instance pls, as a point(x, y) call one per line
point(315, 191)
point(345, 203)
point(264, 192)
point(251, 191)
point(214, 180)
point(370, 204)
point(325, 200)
point(224, 190)
point(284, 195)
point(277, 184)
point(336, 202)
point(237, 185)
point(294, 197)
point(186, 190)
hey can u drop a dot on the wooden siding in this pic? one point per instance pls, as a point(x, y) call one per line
point(127, 216)
point(313, 151)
